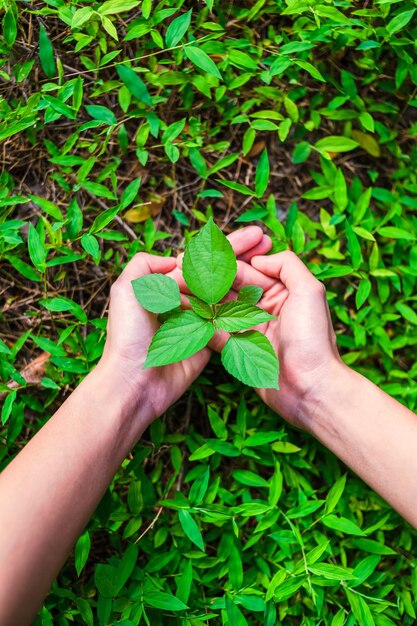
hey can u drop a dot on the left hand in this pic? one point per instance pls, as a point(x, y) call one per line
point(130, 330)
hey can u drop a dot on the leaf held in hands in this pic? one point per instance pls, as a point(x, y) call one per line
point(200, 307)
point(234, 316)
point(209, 267)
point(157, 293)
point(251, 294)
point(181, 336)
point(250, 358)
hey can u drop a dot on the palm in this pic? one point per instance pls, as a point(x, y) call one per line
point(302, 336)
point(130, 347)
point(131, 328)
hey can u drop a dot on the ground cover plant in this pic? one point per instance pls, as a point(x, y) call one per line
point(127, 125)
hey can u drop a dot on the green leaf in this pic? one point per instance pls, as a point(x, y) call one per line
point(7, 407)
point(305, 508)
point(189, 526)
point(103, 219)
point(85, 611)
point(332, 14)
point(199, 487)
point(9, 27)
point(200, 307)
point(209, 267)
point(332, 572)
point(114, 7)
point(157, 293)
point(285, 447)
point(109, 27)
point(201, 60)
point(64, 304)
point(261, 438)
point(130, 193)
point(163, 601)
point(251, 294)
point(181, 336)
point(335, 494)
point(334, 143)
point(231, 184)
point(245, 477)
point(36, 249)
point(354, 247)
point(49, 207)
point(360, 609)
point(24, 268)
point(234, 316)
point(311, 69)
point(301, 152)
point(101, 113)
point(407, 312)
point(135, 85)
point(250, 358)
point(91, 245)
point(234, 614)
point(342, 524)
point(105, 578)
point(288, 588)
point(81, 16)
point(126, 566)
point(392, 232)
point(399, 21)
point(177, 29)
point(262, 174)
point(364, 289)
point(217, 423)
point(46, 53)
point(82, 550)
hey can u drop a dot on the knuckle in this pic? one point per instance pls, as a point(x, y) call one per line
point(319, 288)
point(116, 287)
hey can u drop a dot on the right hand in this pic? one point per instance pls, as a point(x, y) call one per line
point(302, 335)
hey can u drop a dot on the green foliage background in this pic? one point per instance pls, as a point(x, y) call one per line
point(124, 126)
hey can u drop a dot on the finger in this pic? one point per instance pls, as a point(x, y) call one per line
point(243, 241)
point(218, 341)
point(195, 364)
point(176, 274)
point(287, 267)
point(248, 275)
point(143, 264)
point(262, 247)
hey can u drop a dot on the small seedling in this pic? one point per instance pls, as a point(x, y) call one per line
point(209, 269)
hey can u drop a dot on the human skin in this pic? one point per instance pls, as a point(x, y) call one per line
point(54, 484)
point(372, 433)
point(51, 489)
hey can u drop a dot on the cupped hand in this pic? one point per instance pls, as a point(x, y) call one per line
point(302, 334)
point(130, 330)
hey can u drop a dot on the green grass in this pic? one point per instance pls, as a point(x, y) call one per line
point(123, 130)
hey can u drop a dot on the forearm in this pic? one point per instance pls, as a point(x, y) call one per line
point(50, 490)
point(372, 433)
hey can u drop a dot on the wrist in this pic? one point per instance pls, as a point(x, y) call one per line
point(124, 396)
point(318, 405)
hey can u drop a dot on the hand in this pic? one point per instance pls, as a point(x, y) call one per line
point(302, 335)
point(131, 328)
